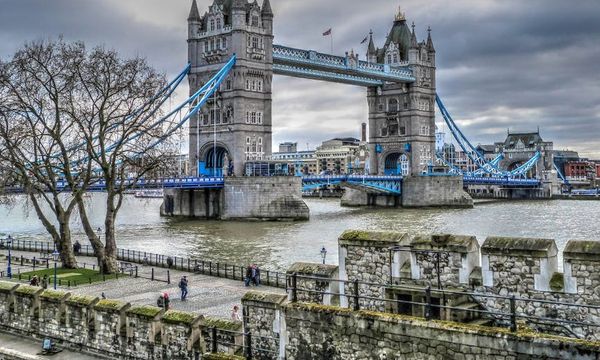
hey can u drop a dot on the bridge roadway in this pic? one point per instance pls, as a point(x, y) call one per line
point(388, 184)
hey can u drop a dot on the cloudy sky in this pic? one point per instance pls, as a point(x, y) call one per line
point(501, 63)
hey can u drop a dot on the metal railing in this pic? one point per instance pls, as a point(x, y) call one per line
point(205, 267)
point(506, 313)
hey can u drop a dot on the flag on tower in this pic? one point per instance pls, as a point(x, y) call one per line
point(328, 32)
point(365, 40)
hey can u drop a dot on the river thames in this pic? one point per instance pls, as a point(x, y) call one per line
point(276, 245)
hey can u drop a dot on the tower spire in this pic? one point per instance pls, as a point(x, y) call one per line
point(266, 9)
point(400, 15)
point(194, 14)
point(413, 37)
point(371, 49)
point(430, 47)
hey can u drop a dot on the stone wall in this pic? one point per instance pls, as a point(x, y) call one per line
point(314, 282)
point(269, 198)
point(109, 327)
point(263, 319)
point(524, 267)
point(423, 191)
point(367, 256)
point(327, 332)
point(360, 197)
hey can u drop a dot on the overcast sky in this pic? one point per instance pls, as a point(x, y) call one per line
point(501, 64)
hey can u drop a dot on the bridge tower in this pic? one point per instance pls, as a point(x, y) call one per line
point(402, 115)
point(242, 110)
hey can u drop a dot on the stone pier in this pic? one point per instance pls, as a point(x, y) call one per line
point(244, 198)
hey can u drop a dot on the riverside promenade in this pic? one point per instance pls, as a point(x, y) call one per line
point(212, 296)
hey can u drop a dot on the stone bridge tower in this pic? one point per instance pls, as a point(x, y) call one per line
point(242, 110)
point(402, 116)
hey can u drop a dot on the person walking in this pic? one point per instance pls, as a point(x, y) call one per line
point(248, 277)
point(235, 314)
point(183, 285)
point(166, 300)
point(169, 262)
point(77, 247)
point(160, 302)
point(45, 281)
point(34, 281)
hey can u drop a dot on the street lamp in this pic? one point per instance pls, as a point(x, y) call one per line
point(9, 269)
point(323, 254)
point(55, 255)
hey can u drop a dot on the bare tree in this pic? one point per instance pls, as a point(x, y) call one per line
point(125, 135)
point(71, 118)
point(37, 139)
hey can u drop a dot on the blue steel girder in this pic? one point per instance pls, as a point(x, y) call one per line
point(378, 184)
point(314, 65)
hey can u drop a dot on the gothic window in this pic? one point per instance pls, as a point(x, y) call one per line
point(212, 44)
point(384, 131)
point(247, 84)
point(393, 105)
point(253, 117)
point(389, 58)
point(395, 58)
point(218, 23)
point(255, 42)
point(259, 85)
point(247, 117)
point(424, 130)
point(259, 118)
point(228, 85)
point(205, 119)
point(224, 43)
point(393, 129)
point(404, 164)
point(402, 130)
point(380, 106)
point(206, 46)
point(254, 20)
point(212, 25)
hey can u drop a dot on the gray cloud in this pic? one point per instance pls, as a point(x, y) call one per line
point(510, 63)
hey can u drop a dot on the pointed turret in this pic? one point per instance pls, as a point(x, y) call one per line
point(266, 9)
point(413, 38)
point(371, 50)
point(194, 13)
point(430, 47)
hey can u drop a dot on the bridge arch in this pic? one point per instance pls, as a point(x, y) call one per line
point(396, 163)
point(211, 156)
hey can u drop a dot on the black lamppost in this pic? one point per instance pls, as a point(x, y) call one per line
point(323, 254)
point(9, 241)
point(55, 255)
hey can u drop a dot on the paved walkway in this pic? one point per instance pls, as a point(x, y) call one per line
point(19, 347)
point(210, 296)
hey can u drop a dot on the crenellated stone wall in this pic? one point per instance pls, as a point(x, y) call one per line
point(109, 327)
point(524, 267)
point(315, 282)
point(327, 332)
point(264, 320)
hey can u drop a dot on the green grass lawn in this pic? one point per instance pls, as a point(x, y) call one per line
point(64, 276)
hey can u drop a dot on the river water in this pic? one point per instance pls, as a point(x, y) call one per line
point(276, 245)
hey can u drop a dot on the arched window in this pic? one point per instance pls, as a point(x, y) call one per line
point(404, 164)
point(393, 105)
point(212, 25)
point(389, 58)
point(218, 23)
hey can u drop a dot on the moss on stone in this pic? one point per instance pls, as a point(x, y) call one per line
point(28, 290)
point(146, 311)
point(557, 282)
point(264, 297)
point(449, 242)
point(223, 324)
point(54, 295)
point(110, 305)
point(221, 356)
point(582, 250)
point(82, 300)
point(179, 317)
point(317, 269)
point(6, 286)
point(534, 247)
point(372, 235)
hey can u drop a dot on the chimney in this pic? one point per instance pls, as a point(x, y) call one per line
point(363, 132)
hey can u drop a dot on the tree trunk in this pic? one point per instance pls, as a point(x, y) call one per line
point(110, 244)
point(94, 238)
point(65, 246)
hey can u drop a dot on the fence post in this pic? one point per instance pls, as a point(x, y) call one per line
point(428, 303)
point(34, 261)
point(136, 271)
point(268, 282)
point(513, 314)
point(356, 299)
point(152, 276)
point(168, 276)
point(210, 268)
point(294, 290)
point(188, 264)
point(214, 339)
point(248, 343)
point(277, 279)
point(218, 273)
